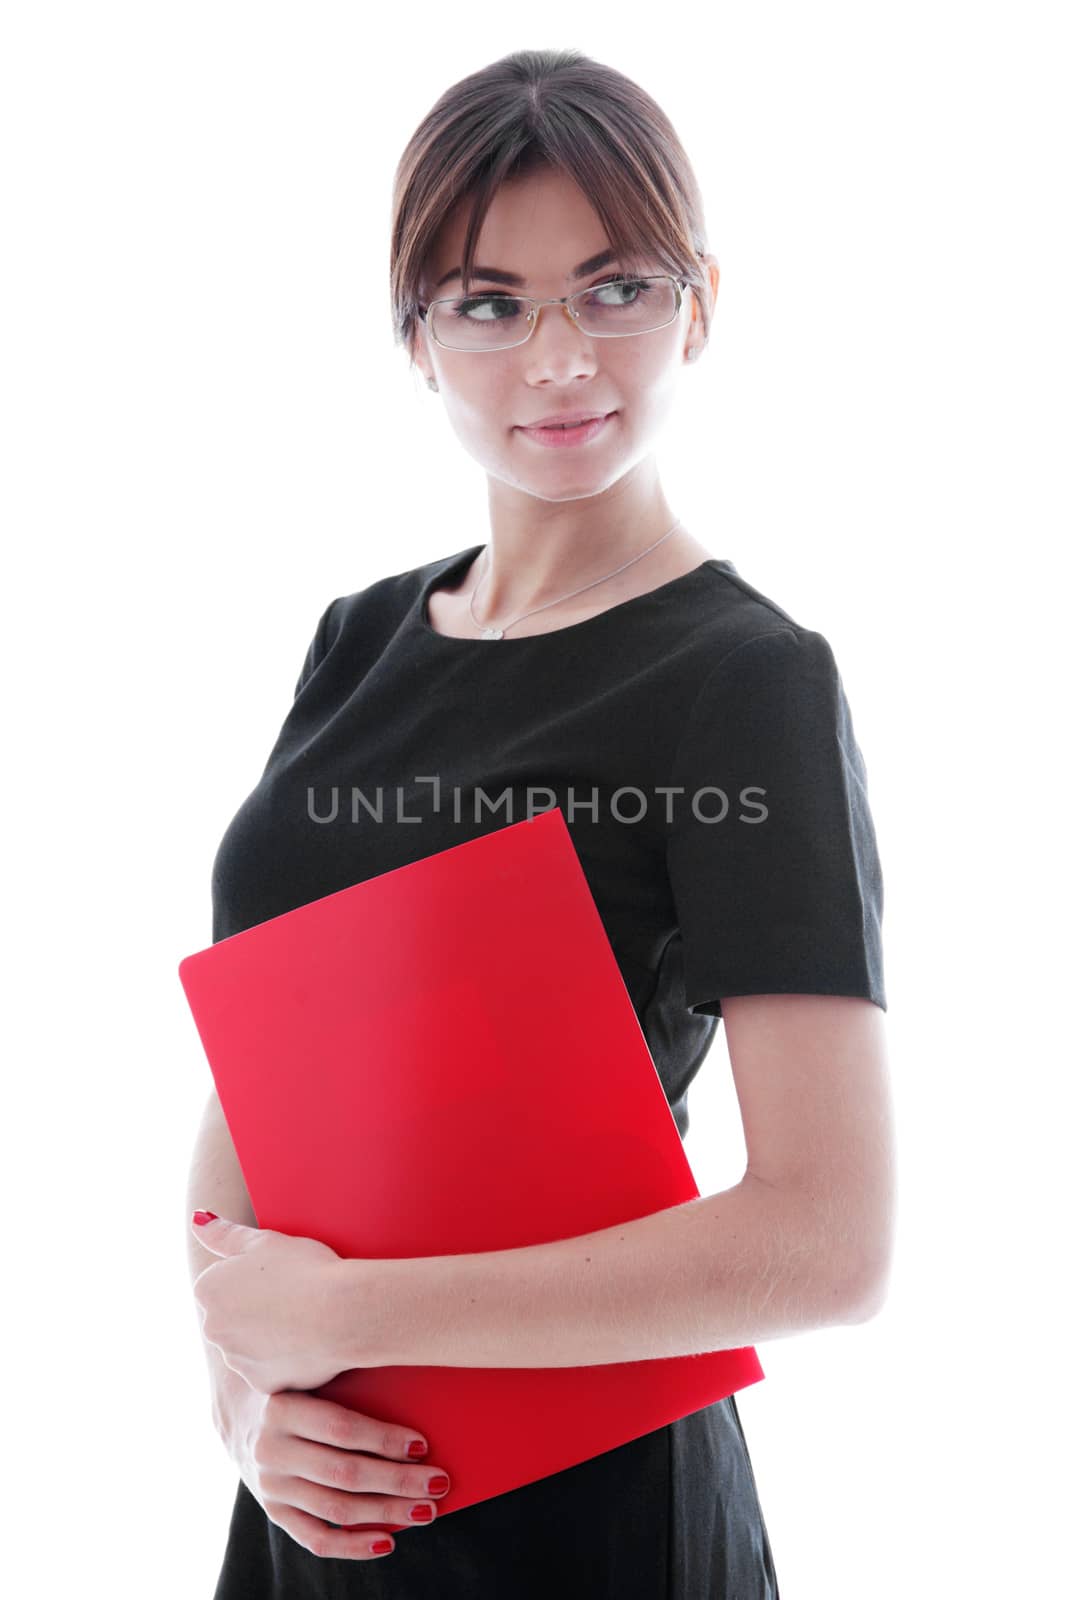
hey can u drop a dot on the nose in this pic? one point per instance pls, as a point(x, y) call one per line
point(558, 337)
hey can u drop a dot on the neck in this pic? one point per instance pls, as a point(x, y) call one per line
point(531, 560)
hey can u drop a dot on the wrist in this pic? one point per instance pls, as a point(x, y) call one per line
point(230, 1397)
point(357, 1307)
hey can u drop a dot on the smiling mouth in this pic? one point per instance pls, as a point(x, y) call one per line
point(562, 427)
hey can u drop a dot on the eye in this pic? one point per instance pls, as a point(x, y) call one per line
point(632, 290)
point(468, 309)
point(610, 291)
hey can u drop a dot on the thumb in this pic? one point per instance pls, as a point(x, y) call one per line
point(219, 1234)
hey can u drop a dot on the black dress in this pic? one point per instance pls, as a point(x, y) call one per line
point(700, 745)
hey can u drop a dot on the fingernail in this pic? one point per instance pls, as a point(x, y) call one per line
point(200, 1217)
point(416, 1449)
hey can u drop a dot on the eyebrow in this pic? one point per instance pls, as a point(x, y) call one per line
point(498, 275)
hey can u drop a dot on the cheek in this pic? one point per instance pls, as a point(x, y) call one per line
point(482, 400)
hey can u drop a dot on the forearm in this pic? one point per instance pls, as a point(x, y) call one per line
point(216, 1184)
point(729, 1270)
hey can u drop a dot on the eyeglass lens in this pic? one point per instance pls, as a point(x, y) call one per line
point(495, 321)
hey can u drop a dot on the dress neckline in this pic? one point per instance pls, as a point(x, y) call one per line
point(458, 568)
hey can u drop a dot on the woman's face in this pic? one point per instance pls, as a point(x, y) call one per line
point(541, 227)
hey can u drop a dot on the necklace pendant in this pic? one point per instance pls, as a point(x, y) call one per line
point(492, 633)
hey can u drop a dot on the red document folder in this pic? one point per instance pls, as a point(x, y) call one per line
point(445, 1059)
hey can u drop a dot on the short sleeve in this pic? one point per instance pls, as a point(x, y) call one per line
point(317, 649)
point(771, 848)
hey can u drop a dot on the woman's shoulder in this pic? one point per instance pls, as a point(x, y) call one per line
point(727, 615)
point(392, 595)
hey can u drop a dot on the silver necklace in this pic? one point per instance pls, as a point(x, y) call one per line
point(498, 633)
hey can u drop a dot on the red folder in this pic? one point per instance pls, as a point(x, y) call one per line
point(445, 1059)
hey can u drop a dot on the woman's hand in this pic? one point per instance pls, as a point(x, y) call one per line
point(334, 1479)
point(270, 1305)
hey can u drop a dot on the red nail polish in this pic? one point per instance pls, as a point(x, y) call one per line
point(200, 1217)
point(417, 1449)
point(381, 1547)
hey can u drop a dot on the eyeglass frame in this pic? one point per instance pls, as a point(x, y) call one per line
point(680, 286)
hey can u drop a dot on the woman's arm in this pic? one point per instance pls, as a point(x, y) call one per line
point(216, 1184)
point(803, 1241)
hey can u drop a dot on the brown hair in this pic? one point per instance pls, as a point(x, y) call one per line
point(537, 109)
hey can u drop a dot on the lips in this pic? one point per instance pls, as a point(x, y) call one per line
point(564, 419)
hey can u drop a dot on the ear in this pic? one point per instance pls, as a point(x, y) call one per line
point(711, 269)
point(420, 356)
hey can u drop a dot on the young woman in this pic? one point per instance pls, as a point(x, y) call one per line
point(549, 263)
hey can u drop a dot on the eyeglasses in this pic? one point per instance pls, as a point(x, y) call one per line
point(499, 321)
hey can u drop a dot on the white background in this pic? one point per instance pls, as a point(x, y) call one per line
point(208, 433)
